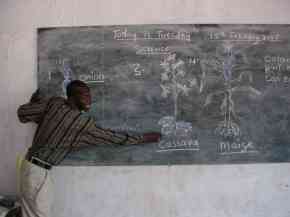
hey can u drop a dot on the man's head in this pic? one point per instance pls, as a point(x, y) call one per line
point(79, 95)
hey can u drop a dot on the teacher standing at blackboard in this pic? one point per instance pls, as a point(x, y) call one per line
point(61, 128)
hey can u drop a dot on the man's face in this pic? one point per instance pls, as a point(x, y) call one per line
point(83, 99)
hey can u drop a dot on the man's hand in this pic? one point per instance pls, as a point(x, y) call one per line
point(151, 137)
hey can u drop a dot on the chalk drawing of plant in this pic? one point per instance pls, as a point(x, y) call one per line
point(227, 127)
point(174, 80)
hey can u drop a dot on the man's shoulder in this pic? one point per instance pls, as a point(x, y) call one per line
point(57, 99)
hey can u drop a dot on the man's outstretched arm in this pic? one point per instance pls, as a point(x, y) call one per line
point(95, 135)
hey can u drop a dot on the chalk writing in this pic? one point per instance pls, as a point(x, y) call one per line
point(274, 67)
point(193, 60)
point(277, 79)
point(147, 35)
point(273, 79)
point(58, 61)
point(243, 36)
point(229, 148)
point(93, 77)
point(138, 70)
point(61, 61)
point(276, 59)
point(148, 50)
point(182, 36)
point(216, 35)
point(277, 69)
point(178, 145)
point(125, 35)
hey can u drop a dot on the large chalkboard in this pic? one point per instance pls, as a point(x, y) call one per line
point(217, 93)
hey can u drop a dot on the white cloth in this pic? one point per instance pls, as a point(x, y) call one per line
point(35, 190)
point(3, 211)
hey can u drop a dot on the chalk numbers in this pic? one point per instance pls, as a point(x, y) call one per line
point(138, 70)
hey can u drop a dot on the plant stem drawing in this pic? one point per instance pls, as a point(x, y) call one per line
point(174, 80)
point(228, 128)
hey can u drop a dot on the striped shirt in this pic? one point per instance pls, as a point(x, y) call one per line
point(62, 129)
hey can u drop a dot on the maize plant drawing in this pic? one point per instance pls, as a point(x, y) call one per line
point(232, 84)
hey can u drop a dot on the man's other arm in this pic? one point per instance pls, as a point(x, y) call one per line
point(33, 110)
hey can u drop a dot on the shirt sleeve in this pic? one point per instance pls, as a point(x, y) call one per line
point(95, 135)
point(32, 111)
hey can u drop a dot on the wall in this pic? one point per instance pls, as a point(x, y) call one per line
point(204, 191)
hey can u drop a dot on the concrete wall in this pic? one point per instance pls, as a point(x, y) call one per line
point(204, 191)
point(175, 191)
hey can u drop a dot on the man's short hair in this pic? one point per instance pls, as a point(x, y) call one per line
point(74, 87)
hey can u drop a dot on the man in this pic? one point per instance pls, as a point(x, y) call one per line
point(61, 128)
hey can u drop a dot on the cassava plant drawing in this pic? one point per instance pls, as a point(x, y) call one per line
point(175, 81)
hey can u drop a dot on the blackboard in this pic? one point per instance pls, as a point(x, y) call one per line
point(217, 93)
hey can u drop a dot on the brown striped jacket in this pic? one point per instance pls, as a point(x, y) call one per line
point(62, 129)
